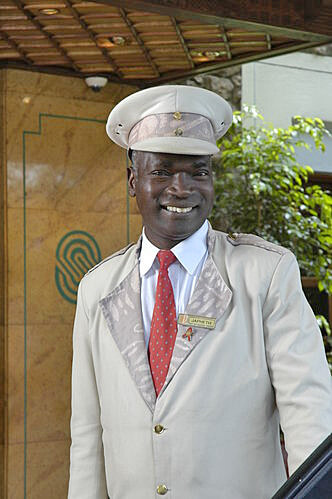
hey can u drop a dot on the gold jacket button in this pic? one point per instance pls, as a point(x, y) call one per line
point(158, 428)
point(177, 115)
point(162, 489)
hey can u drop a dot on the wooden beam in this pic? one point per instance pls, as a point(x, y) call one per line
point(309, 20)
point(71, 7)
point(63, 71)
point(19, 4)
point(56, 70)
point(182, 41)
point(15, 46)
point(139, 42)
point(174, 76)
point(226, 42)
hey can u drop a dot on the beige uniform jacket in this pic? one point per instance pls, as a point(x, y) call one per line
point(226, 390)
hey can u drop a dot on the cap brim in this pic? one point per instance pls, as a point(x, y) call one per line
point(176, 145)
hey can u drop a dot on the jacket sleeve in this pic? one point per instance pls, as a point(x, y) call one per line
point(87, 468)
point(297, 364)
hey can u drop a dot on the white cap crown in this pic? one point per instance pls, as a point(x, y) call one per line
point(171, 118)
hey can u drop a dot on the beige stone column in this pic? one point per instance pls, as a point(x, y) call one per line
point(2, 288)
point(64, 207)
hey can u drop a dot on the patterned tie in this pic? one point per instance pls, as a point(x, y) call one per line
point(164, 324)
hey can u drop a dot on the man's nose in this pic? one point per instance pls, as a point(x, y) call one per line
point(181, 185)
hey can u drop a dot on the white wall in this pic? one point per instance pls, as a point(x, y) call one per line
point(290, 85)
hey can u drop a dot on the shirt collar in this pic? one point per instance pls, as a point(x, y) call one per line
point(188, 252)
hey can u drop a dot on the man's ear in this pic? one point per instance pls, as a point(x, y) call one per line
point(131, 182)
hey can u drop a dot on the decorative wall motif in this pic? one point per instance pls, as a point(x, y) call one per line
point(76, 253)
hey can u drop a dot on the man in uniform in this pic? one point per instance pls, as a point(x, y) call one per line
point(192, 346)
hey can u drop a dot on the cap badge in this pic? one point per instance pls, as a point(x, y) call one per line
point(177, 115)
point(178, 131)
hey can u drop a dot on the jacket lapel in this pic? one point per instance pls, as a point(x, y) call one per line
point(122, 311)
point(210, 298)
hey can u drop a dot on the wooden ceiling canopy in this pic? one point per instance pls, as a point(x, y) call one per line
point(151, 42)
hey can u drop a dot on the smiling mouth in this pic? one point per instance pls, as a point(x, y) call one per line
point(177, 209)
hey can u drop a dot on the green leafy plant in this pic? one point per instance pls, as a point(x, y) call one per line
point(260, 188)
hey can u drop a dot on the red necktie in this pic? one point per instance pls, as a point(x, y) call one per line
point(164, 324)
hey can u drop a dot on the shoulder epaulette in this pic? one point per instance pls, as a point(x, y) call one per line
point(117, 253)
point(237, 239)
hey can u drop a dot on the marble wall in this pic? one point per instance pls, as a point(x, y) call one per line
point(2, 294)
point(66, 208)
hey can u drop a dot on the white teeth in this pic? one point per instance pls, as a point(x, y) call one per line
point(178, 210)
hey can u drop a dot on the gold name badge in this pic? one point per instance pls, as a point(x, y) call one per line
point(197, 320)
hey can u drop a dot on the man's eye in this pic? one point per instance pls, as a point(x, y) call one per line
point(201, 173)
point(160, 173)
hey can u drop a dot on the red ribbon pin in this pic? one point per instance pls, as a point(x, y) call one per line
point(188, 334)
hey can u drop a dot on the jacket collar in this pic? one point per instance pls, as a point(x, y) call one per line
point(188, 252)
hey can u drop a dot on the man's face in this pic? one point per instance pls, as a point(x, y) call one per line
point(174, 194)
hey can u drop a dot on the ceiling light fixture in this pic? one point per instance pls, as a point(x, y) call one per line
point(118, 40)
point(212, 54)
point(111, 41)
point(49, 11)
point(104, 42)
point(196, 53)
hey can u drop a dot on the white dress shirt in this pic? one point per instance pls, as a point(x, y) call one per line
point(183, 273)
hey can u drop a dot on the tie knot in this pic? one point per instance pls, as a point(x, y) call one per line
point(165, 257)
